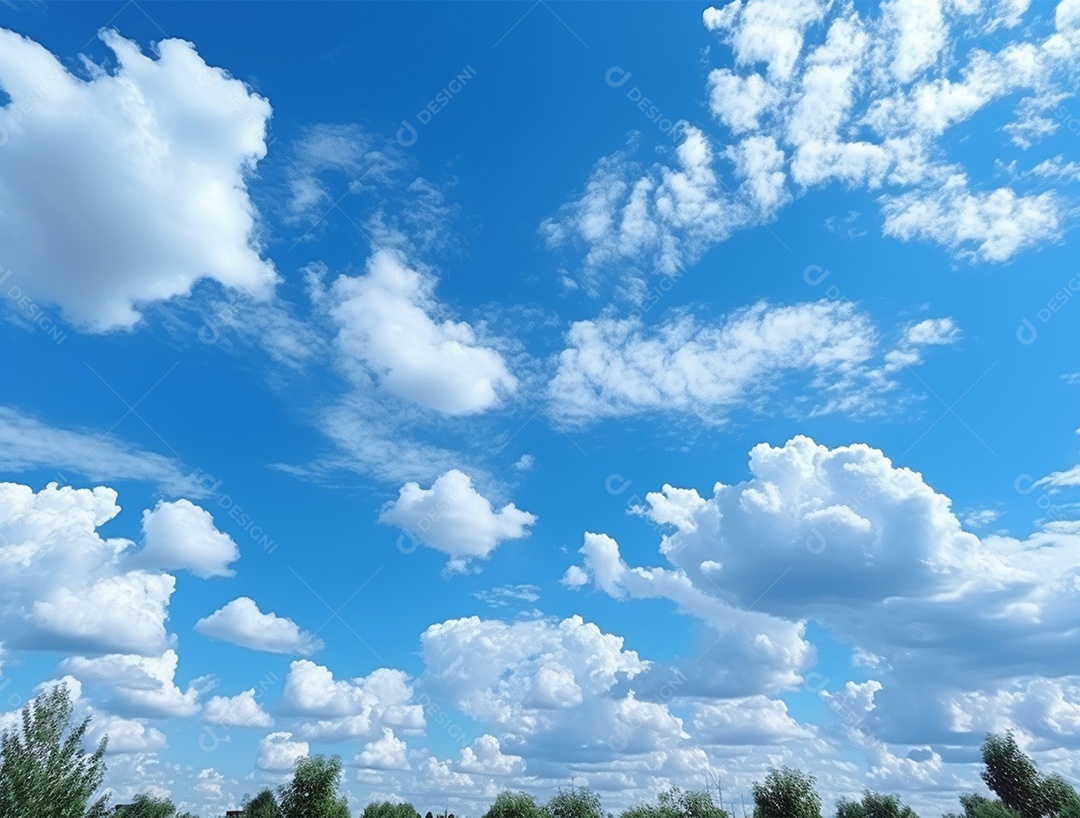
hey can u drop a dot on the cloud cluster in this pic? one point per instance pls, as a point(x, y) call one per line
point(841, 94)
point(875, 555)
point(125, 188)
point(323, 708)
point(616, 367)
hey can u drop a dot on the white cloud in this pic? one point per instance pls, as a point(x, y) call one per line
point(68, 588)
point(509, 594)
point(870, 98)
point(755, 720)
point(998, 224)
point(27, 443)
point(278, 751)
point(182, 535)
point(328, 709)
point(616, 367)
point(454, 518)
point(670, 215)
point(385, 753)
point(242, 623)
point(153, 161)
point(391, 333)
point(872, 553)
point(575, 577)
point(125, 735)
point(138, 685)
point(241, 710)
point(485, 757)
point(516, 670)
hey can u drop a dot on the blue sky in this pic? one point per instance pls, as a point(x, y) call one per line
point(504, 395)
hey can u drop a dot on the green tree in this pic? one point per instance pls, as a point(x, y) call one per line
point(263, 805)
point(313, 791)
point(674, 803)
point(978, 806)
point(874, 805)
point(145, 806)
point(44, 772)
point(786, 793)
point(1014, 778)
point(388, 809)
point(512, 804)
point(575, 803)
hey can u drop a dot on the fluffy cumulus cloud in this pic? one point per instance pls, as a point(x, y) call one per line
point(385, 753)
point(617, 367)
point(454, 518)
point(329, 709)
point(125, 735)
point(181, 535)
point(64, 586)
point(242, 623)
point(241, 710)
point(145, 171)
point(555, 692)
point(485, 757)
point(392, 332)
point(138, 685)
point(279, 751)
point(871, 552)
point(844, 94)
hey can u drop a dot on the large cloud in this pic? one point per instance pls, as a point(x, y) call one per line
point(180, 534)
point(65, 587)
point(872, 553)
point(126, 188)
point(391, 331)
point(455, 518)
point(865, 97)
point(242, 623)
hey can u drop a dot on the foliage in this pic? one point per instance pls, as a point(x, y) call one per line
point(145, 806)
point(786, 793)
point(313, 791)
point(511, 804)
point(1014, 778)
point(388, 809)
point(575, 803)
point(44, 772)
point(874, 805)
point(978, 806)
point(674, 803)
point(263, 805)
